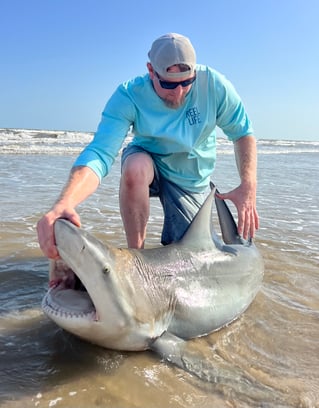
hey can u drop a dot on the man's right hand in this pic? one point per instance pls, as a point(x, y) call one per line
point(45, 228)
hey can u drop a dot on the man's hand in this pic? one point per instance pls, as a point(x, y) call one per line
point(45, 228)
point(82, 183)
point(244, 198)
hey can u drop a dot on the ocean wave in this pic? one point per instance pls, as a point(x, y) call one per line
point(287, 146)
point(287, 143)
point(56, 142)
point(26, 141)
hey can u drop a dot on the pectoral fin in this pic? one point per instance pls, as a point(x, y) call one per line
point(170, 348)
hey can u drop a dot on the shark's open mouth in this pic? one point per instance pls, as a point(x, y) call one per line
point(67, 298)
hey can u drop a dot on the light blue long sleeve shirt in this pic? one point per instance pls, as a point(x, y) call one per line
point(181, 141)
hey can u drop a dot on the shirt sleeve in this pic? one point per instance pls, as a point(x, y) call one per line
point(232, 117)
point(117, 117)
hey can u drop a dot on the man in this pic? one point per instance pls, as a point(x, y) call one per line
point(173, 111)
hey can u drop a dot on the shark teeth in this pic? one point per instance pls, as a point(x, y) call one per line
point(68, 303)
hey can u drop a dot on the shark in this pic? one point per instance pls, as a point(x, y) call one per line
point(154, 298)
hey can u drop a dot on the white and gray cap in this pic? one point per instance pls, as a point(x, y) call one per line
point(172, 49)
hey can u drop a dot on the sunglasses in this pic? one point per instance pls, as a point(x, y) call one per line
point(173, 85)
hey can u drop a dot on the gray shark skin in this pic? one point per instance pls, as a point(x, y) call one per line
point(154, 298)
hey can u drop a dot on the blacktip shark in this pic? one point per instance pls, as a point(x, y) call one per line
point(154, 298)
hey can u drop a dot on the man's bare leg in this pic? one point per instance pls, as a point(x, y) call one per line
point(137, 175)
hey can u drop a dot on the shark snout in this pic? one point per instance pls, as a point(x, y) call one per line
point(67, 237)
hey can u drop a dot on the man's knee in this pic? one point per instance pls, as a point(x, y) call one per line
point(137, 169)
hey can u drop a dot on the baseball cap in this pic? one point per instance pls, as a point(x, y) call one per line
point(171, 49)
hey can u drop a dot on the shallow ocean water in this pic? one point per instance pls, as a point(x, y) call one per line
point(269, 357)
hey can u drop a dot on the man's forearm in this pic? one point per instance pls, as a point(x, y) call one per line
point(246, 159)
point(81, 184)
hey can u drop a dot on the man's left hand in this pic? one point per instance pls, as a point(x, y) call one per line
point(244, 198)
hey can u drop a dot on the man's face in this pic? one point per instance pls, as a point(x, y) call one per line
point(173, 98)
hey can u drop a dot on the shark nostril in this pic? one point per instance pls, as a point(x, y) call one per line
point(83, 248)
point(106, 270)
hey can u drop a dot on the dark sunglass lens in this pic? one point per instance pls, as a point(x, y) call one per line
point(173, 85)
point(169, 85)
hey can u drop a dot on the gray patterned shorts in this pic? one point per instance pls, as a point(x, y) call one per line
point(179, 206)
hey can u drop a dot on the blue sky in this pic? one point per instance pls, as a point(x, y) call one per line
point(60, 60)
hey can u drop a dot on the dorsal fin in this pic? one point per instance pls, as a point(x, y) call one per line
point(227, 223)
point(199, 232)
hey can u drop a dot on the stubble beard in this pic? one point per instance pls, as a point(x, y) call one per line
point(173, 104)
